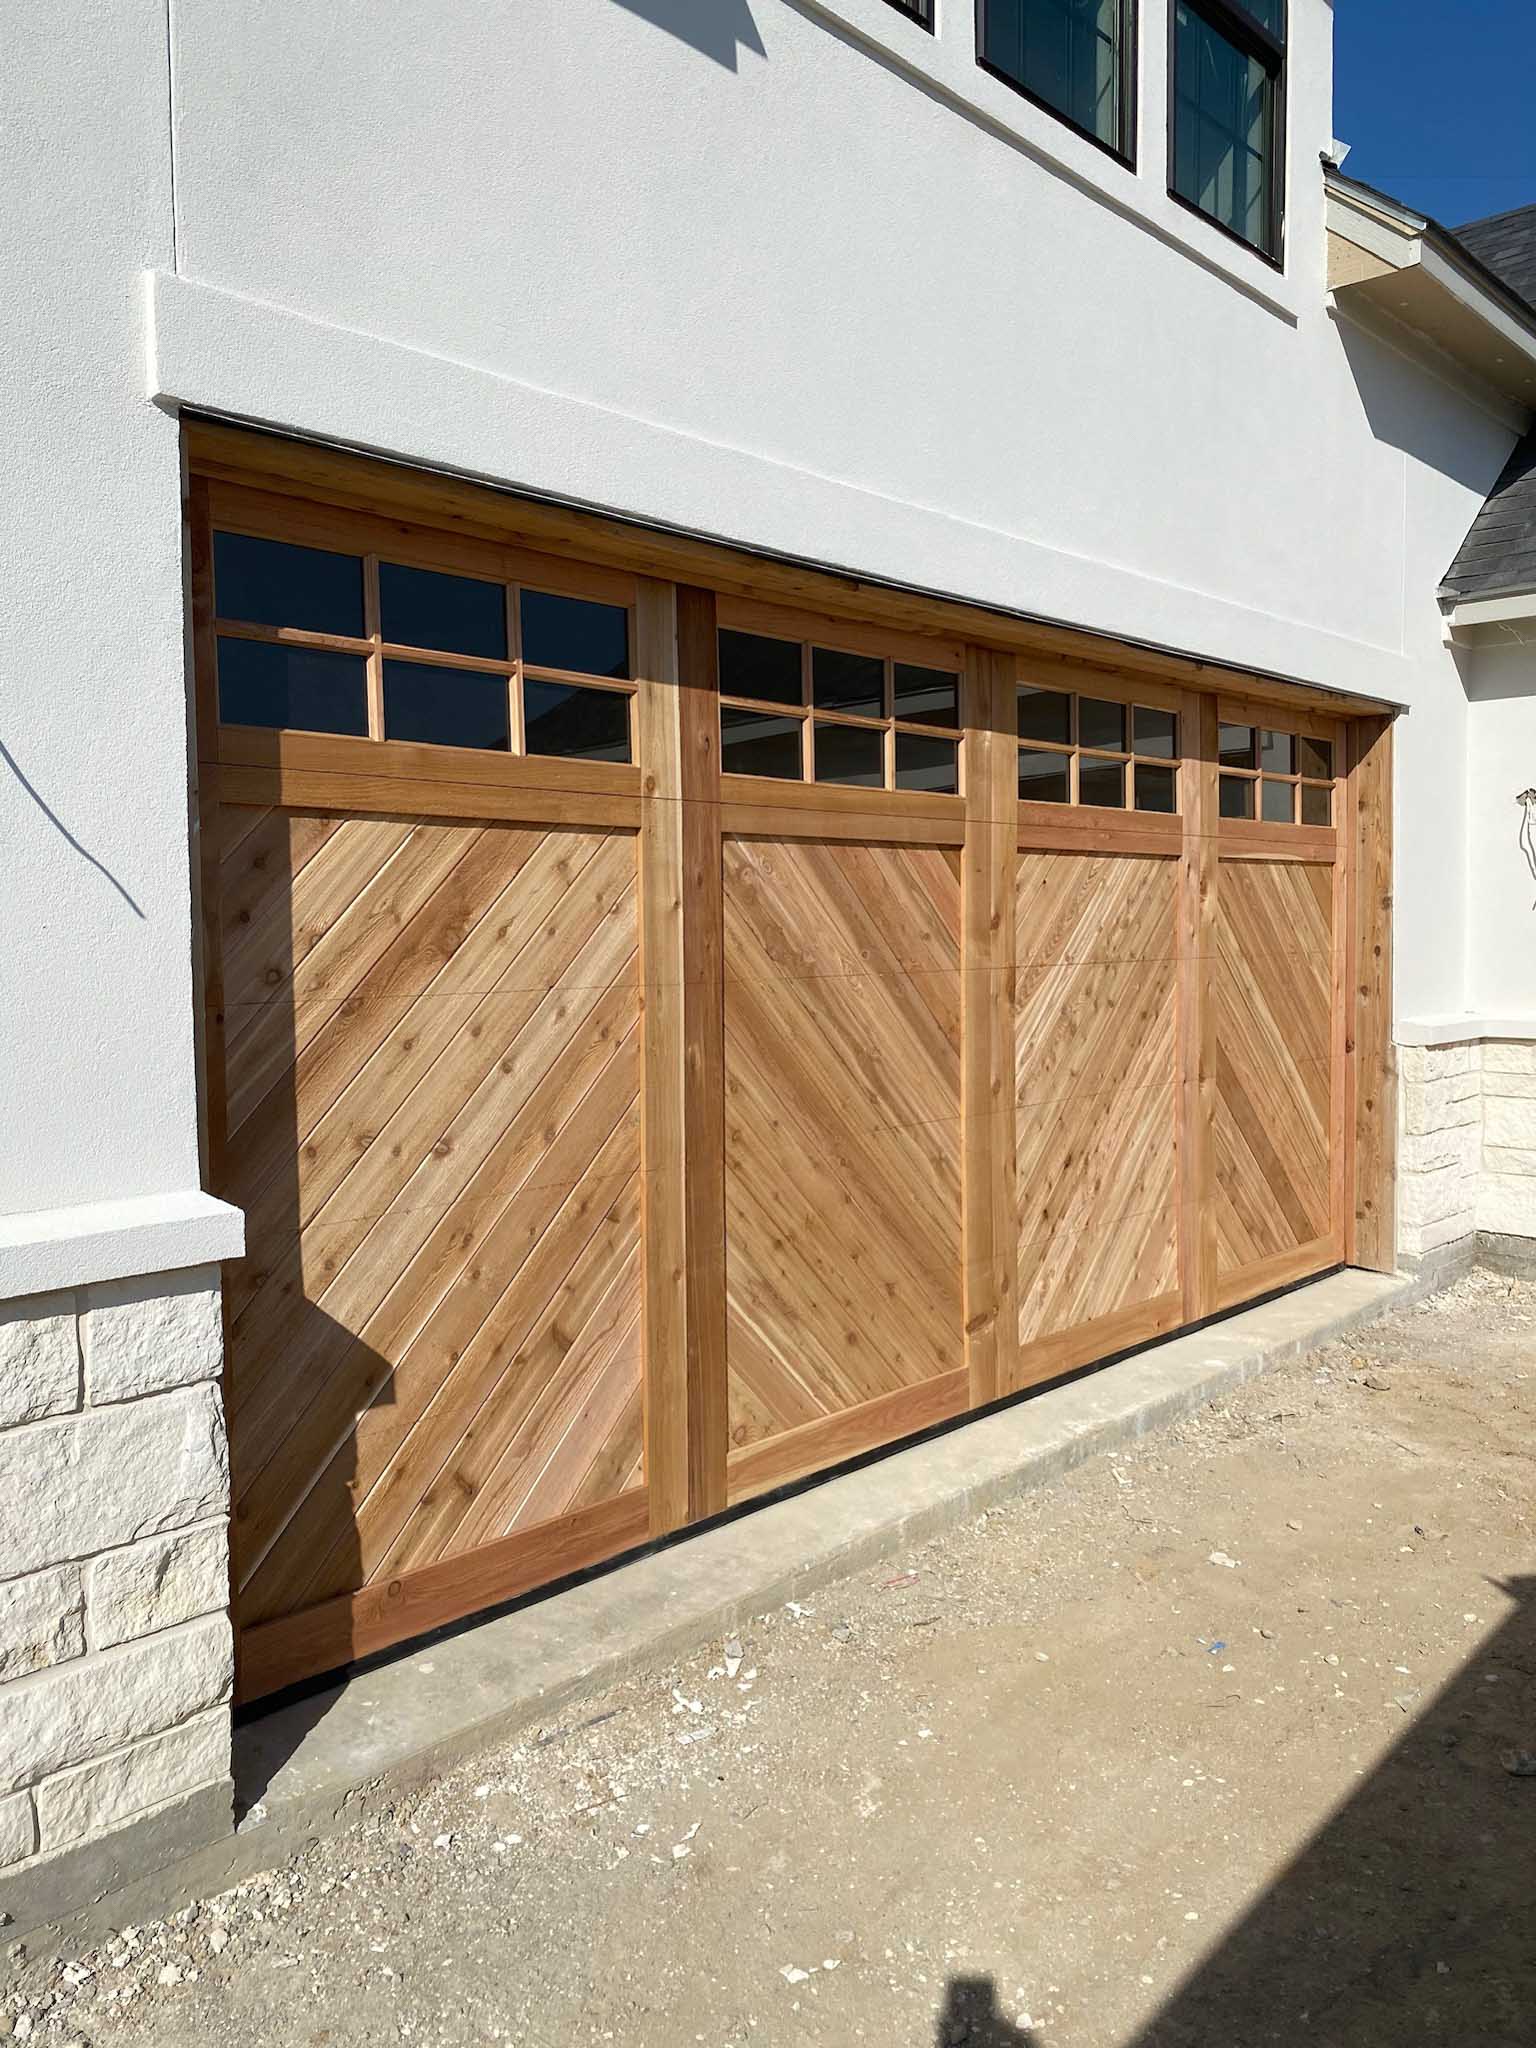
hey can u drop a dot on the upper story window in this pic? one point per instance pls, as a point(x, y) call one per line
point(1227, 148)
point(920, 10)
point(1075, 57)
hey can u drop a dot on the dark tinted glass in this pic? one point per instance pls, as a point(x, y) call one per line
point(261, 683)
point(1316, 804)
point(562, 718)
point(1044, 778)
point(1277, 802)
point(1155, 732)
point(847, 682)
point(1277, 753)
point(445, 707)
point(752, 666)
point(1314, 757)
point(1236, 800)
point(1065, 52)
point(1045, 715)
point(1101, 783)
point(1222, 123)
point(420, 608)
point(273, 583)
point(1156, 788)
point(924, 763)
point(574, 633)
point(1236, 747)
point(1268, 14)
point(930, 696)
point(752, 743)
point(1101, 724)
point(849, 753)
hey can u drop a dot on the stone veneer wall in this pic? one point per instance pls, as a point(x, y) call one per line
point(115, 1646)
point(1467, 1148)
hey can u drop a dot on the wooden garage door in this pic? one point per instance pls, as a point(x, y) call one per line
point(664, 1044)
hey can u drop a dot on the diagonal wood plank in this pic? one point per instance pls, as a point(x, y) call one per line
point(842, 1126)
point(1274, 1022)
point(1097, 1087)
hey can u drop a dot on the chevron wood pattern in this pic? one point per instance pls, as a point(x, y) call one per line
point(431, 1090)
point(1097, 1101)
point(1274, 1020)
point(842, 1033)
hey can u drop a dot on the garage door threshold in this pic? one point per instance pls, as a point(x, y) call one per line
point(318, 1763)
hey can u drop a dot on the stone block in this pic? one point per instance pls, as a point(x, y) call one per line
point(156, 1585)
point(114, 1788)
point(1431, 1197)
point(1416, 1240)
point(39, 1358)
point(18, 1828)
point(1417, 1064)
point(1509, 1159)
point(1434, 1151)
point(143, 1336)
point(111, 1476)
point(79, 1711)
point(1507, 1203)
point(42, 1621)
point(1441, 1106)
point(1509, 1056)
point(1509, 1121)
point(1513, 1087)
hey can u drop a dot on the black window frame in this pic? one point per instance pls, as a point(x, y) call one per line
point(919, 11)
point(1123, 150)
point(1233, 21)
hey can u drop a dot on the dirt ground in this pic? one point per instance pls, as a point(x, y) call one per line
point(1222, 1741)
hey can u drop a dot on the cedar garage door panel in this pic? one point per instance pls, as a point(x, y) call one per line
point(1097, 1097)
point(842, 1138)
point(1274, 1027)
point(432, 1120)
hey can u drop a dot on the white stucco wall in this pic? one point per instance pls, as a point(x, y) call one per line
point(97, 1096)
point(1501, 896)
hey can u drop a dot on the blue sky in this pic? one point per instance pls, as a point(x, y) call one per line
point(1438, 101)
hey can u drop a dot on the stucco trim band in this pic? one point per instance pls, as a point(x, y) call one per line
point(45, 1249)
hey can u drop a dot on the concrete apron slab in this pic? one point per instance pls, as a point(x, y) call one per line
point(315, 1766)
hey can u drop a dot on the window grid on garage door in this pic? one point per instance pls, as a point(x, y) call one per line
point(1077, 747)
point(806, 711)
point(380, 647)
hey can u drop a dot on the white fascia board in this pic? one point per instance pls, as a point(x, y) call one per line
point(1391, 232)
point(1492, 611)
point(42, 1250)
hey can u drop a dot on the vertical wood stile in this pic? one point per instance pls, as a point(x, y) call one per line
point(1371, 1213)
point(1341, 1097)
point(683, 1086)
point(989, 1180)
point(1198, 882)
point(208, 939)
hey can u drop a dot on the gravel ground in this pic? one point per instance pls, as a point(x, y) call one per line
point(1222, 1742)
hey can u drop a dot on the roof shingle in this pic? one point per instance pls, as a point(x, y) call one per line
point(1505, 243)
